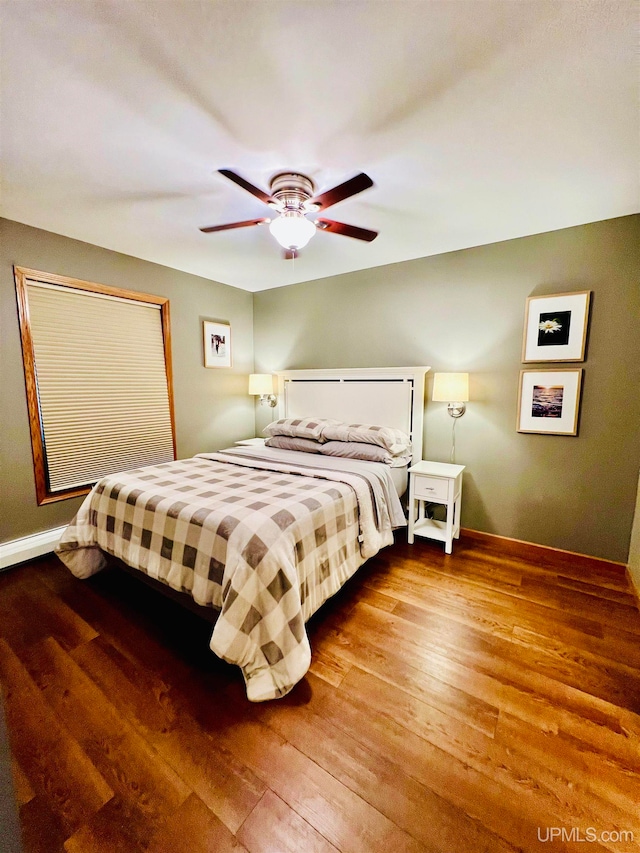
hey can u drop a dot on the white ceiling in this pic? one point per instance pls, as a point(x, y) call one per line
point(479, 121)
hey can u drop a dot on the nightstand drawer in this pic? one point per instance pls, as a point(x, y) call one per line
point(431, 487)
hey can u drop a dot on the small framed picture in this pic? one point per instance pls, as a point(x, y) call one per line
point(549, 401)
point(555, 327)
point(217, 344)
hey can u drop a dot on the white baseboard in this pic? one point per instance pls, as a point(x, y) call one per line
point(28, 547)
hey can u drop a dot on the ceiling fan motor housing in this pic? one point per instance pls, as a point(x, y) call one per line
point(292, 191)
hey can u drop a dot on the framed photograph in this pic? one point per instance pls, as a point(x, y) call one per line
point(549, 401)
point(217, 344)
point(555, 327)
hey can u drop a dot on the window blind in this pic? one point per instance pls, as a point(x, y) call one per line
point(101, 383)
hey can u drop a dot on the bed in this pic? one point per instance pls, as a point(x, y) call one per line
point(260, 536)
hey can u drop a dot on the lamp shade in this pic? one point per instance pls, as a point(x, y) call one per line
point(292, 230)
point(260, 383)
point(450, 387)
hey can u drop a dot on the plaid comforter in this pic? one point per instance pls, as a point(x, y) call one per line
point(266, 547)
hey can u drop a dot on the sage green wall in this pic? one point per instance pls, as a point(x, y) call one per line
point(464, 311)
point(211, 405)
point(460, 311)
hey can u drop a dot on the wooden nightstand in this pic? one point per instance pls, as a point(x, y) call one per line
point(439, 483)
point(251, 442)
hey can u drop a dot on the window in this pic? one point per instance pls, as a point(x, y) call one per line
point(97, 365)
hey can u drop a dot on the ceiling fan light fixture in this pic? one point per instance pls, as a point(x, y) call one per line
point(292, 230)
point(292, 197)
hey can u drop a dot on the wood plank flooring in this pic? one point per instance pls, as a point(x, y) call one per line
point(483, 701)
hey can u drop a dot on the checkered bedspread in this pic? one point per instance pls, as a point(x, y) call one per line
point(266, 547)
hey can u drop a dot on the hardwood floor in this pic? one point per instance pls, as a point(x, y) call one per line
point(483, 701)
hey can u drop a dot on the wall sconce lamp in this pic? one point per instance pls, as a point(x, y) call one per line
point(261, 385)
point(452, 388)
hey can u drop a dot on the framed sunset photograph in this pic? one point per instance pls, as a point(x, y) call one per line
point(555, 327)
point(549, 401)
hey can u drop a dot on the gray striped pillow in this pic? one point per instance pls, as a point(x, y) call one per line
point(393, 440)
point(290, 442)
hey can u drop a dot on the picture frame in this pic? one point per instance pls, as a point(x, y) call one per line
point(555, 327)
point(549, 401)
point(217, 344)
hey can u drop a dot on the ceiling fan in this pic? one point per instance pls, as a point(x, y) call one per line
point(292, 198)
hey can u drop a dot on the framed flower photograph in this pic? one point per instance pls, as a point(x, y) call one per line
point(549, 401)
point(555, 327)
point(217, 344)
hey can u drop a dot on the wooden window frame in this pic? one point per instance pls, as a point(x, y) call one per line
point(22, 275)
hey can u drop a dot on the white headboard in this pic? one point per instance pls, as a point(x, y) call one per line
point(386, 396)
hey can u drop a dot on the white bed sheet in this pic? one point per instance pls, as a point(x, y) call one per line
point(400, 477)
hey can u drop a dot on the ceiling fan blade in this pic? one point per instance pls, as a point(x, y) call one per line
point(241, 182)
point(351, 187)
point(230, 225)
point(346, 230)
